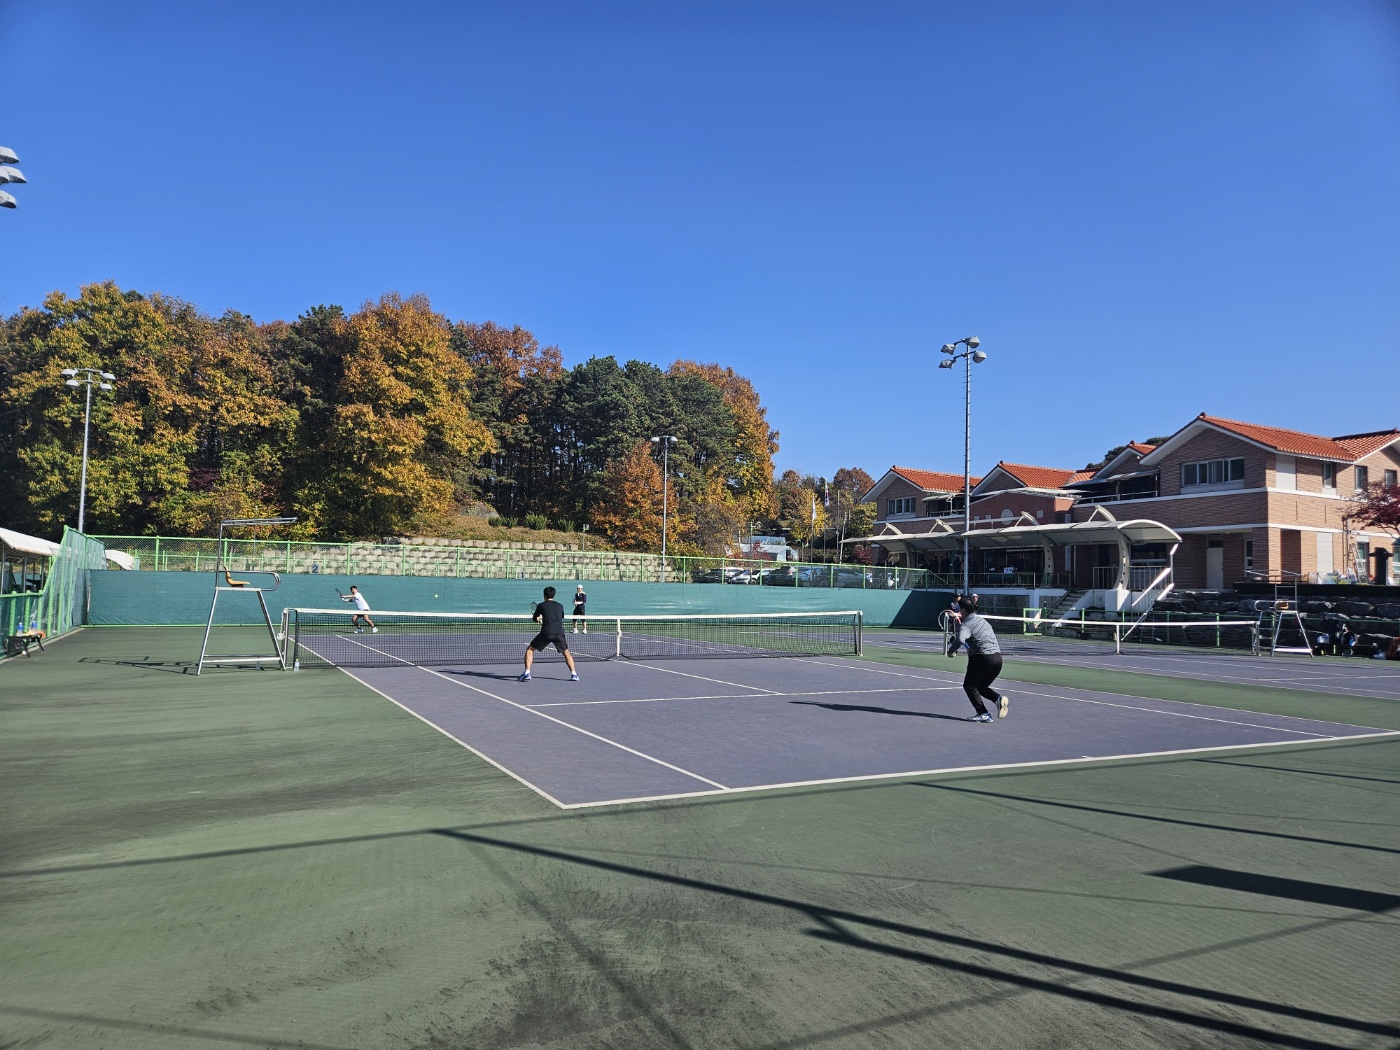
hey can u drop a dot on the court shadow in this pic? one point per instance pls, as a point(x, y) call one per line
point(880, 710)
point(169, 666)
point(1015, 970)
point(494, 676)
point(1287, 889)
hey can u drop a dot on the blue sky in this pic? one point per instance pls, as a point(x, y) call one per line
point(1145, 210)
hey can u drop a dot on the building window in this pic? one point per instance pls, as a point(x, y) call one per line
point(901, 505)
point(1389, 479)
point(1329, 477)
point(1249, 554)
point(1363, 478)
point(1212, 472)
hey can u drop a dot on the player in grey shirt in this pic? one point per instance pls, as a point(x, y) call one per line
point(983, 660)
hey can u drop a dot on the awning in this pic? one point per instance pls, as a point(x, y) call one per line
point(1100, 528)
point(29, 544)
point(121, 559)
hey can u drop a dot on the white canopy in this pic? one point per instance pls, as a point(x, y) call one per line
point(29, 544)
point(121, 559)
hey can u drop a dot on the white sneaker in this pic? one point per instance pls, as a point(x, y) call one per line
point(573, 677)
point(374, 630)
point(1001, 707)
point(359, 630)
point(575, 630)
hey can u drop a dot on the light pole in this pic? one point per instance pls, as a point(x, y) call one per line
point(968, 356)
point(665, 441)
point(90, 376)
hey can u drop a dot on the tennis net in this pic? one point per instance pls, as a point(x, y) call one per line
point(1036, 636)
point(327, 637)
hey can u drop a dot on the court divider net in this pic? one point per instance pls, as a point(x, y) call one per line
point(345, 638)
point(1041, 636)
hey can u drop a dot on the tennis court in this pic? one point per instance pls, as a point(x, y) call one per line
point(260, 858)
point(708, 719)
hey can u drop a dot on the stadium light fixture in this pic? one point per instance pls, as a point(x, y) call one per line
point(9, 174)
point(90, 377)
point(969, 356)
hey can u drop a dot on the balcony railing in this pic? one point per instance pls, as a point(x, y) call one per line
point(1140, 577)
point(1119, 496)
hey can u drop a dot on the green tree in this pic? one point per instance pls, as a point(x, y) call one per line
point(140, 436)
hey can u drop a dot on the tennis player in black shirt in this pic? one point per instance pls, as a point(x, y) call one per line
point(550, 614)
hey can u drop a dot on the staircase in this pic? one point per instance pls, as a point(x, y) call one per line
point(1064, 605)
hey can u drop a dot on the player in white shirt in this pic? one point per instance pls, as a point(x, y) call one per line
point(363, 610)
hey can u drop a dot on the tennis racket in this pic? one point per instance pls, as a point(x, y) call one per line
point(340, 592)
point(533, 607)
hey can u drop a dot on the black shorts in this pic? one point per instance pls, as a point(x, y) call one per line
point(578, 611)
point(543, 641)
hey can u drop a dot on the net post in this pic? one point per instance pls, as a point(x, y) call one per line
point(617, 645)
point(860, 623)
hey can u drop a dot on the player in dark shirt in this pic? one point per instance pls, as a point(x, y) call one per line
point(580, 609)
point(550, 614)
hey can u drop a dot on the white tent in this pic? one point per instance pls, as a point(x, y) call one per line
point(28, 544)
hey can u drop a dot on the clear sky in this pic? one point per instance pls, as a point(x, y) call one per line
point(1144, 209)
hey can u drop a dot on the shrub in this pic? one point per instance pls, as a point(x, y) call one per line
point(495, 519)
point(536, 521)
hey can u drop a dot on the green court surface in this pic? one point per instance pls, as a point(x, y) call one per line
point(260, 859)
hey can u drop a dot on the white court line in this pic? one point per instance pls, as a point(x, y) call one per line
point(1181, 714)
point(458, 740)
point(1338, 679)
point(1087, 759)
point(1155, 700)
point(538, 714)
point(699, 677)
point(751, 696)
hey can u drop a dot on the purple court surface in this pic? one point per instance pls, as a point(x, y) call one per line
point(634, 731)
point(1322, 674)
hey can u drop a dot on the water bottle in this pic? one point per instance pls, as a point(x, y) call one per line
point(34, 625)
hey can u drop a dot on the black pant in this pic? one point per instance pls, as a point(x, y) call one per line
point(982, 670)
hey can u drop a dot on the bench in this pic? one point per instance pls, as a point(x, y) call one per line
point(20, 642)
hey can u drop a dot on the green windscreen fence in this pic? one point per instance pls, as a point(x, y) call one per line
point(61, 604)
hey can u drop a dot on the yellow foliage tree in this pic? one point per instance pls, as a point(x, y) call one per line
point(630, 512)
point(403, 429)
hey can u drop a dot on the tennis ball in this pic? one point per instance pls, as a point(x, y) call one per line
point(435, 596)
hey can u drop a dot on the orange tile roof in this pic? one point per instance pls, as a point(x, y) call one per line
point(1141, 446)
point(933, 480)
point(1081, 475)
point(1297, 443)
point(1360, 445)
point(1037, 477)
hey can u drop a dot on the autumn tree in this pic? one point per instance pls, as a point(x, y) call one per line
point(629, 508)
point(1378, 507)
point(402, 435)
point(750, 476)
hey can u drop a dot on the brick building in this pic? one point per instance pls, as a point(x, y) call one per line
point(1246, 497)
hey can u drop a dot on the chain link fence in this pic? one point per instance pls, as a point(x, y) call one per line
point(169, 554)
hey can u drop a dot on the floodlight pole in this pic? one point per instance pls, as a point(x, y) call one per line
point(90, 376)
point(665, 441)
point(968, 356)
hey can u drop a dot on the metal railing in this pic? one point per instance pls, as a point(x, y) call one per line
point(1140, 577)
point(201, 554)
